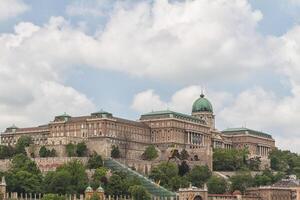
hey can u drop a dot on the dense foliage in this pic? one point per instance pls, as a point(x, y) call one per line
point(44, 152)
point(115, 152)
point(229, 159)
point(199, 175)
point(53, 197)
point(234, 159)
point(95, 161)
point(169, 176)
point(139, 193)
point(9, 151)
point(217, 185)
point(70, 178)
point(150, 153)
point(79, 150)
point(24, 175)
point(285, 161)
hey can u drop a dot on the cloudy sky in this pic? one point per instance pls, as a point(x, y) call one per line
point(133, 56)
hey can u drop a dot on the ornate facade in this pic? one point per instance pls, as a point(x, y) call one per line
point(165, 129)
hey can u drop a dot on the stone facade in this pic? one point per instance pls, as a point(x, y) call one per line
point(166, 130)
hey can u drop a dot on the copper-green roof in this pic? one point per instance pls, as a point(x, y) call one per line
point(13, 127)
point(171, 114)
point(202, 105)
point(236, 131)
point(101, 113)
point(63, 115)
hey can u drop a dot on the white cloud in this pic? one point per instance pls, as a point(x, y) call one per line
point(184, 41)
point(33, 64)
point(182, 100)
point(12, 8)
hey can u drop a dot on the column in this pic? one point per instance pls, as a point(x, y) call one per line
point(188, 137)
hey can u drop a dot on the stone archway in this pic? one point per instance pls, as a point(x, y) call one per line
point(198, 197)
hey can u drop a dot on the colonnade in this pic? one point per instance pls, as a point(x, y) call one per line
point(263, 150)
point(196, 138)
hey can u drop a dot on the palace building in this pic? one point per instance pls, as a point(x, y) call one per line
point(166, 130)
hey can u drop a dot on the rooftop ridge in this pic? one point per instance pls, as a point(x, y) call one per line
point(165, 112)
point(254, 132)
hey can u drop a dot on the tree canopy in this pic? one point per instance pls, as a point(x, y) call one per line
point(217, 185)
point(115, 152)
point(95, 161)
point(150, 153)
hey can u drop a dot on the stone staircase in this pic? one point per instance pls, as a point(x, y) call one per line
point(154, 189)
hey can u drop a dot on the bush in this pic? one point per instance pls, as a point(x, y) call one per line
point(44, 152)
point(217, 185)
point(241, 181)
point(115, 152)
point(52, 197)
point(139, 193)
point(81, 149)
point(95, 161)
point(150, 153)
point(199, 175)
point(71, 150)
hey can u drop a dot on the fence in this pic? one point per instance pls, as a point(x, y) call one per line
point(33, 196)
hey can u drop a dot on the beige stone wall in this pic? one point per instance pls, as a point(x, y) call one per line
point(271, 193)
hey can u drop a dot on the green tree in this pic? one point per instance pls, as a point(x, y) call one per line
point(52, 153)
point(163, 173)
point(58, 182)
point(23, 175)
point(81, 149)
point(150, 153)
point(23, 141)
point(177, 182)
point(229, 159)
point(115, 152)
point(285, 161)
point(115, 185)
point(99, 176)
point(79, 179)
point(139, 193)
point(53, 197)
point(217, 185)
point(241, 181)
point(71, 150)
point(6, 151)
point(267, 178)
point(254, 163)
point(21, 162)
point(95, 161)
point(43, 152)
point(199, 175)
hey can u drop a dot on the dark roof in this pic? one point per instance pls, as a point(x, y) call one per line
point(78, 119)
point(131, 122)
point(287, 183)
point(237, 131)
point(171, 114)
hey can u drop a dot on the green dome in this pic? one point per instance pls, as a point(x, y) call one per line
point(100, 189)
point(89, 189)
point(202, 105)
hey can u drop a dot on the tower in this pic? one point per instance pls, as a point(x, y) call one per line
point(202, 108)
